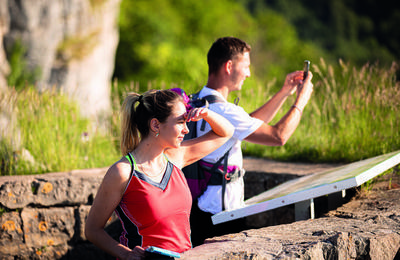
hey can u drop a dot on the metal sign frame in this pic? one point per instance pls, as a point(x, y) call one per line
point(313, 186)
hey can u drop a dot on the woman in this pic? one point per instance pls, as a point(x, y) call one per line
point(146, 188)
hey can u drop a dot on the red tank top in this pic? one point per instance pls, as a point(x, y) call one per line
point(156, 214)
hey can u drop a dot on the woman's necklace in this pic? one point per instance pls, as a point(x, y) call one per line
point(149, 175)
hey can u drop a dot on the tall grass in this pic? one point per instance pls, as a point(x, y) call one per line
point(353, 114)
point(48, 134)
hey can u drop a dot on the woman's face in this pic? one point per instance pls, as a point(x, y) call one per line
point(174, 128)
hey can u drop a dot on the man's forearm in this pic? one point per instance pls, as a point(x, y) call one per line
point(288, 123)
point(268, 111)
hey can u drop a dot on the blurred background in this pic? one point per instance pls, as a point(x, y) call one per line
point(60, 109)
point(168, 40)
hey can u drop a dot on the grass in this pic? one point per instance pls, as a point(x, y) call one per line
point(354, 114)
point(386, 176)
point(48, 135)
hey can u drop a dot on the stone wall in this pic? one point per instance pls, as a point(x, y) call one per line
point(367, 227)
point(43, 217)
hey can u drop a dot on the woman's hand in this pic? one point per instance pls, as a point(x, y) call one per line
point(194, 149)
point(138, 253)
point(196, 114)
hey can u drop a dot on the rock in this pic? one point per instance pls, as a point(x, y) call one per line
point(71, 188)
point(72, 43)
point(367, 227)
point(43, 216)
point(11, 237)
point(47, 227)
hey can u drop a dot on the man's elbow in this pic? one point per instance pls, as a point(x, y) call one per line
point(281, 136)
point(281, 141)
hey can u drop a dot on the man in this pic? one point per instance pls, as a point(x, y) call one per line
point(229, 65)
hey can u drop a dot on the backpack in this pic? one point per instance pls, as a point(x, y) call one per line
point(200, 174)
point(196, 177)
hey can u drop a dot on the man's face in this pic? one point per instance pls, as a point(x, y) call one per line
point(240, 70)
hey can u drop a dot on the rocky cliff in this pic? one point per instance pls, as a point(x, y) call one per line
point(70, 43)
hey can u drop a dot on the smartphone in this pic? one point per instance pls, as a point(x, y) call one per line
point(306, 68)
point(160, 251)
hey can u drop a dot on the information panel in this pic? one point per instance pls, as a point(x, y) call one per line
point(313, 186)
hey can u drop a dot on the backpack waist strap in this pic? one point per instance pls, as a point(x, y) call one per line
point(233, 173)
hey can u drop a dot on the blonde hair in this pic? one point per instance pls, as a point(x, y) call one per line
point(137, 112)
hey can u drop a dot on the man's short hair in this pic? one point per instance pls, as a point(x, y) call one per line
point(223, 50)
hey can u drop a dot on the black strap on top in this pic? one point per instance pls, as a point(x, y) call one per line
point(195, 101)
point(210, 99)
point(205, 101)
point(224, 178)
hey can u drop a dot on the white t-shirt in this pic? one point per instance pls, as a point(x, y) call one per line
point(244, 125)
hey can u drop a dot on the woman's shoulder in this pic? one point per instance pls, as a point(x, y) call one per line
point(120, 169)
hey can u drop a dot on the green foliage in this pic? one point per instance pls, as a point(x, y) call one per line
point(2, 210)
point(97, 3)
point(7, 161)
point(76, 48)
point(278, 49)
point(387, 175)
point(150, 45)
point(54, 134)
point(169, 40)
point(353, 114)
point(357, 31)
point(20, 74)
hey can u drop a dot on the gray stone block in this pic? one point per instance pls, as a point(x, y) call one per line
point(11, 234)
point(48, 227)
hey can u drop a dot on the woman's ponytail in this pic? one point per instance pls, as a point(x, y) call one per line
point(129, 130)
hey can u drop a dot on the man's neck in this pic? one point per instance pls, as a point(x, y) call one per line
point(218, 86)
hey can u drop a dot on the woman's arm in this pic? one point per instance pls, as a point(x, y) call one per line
point(194, 149)
point(107, 199)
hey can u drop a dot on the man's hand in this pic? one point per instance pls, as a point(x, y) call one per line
point(292, 81)
point(304, 92)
